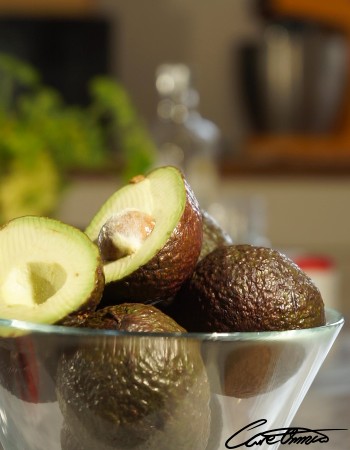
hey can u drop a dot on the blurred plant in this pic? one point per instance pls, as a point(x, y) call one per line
point(112, 106)
point(43, 139)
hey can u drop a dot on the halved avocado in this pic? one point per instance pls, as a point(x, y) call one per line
point(49, 271)
point(150, 234)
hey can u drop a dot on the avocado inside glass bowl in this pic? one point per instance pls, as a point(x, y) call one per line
point(75, 388)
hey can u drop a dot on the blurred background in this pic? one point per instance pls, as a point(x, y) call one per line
point(250, 98)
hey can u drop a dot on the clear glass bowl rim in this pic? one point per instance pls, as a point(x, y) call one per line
point(334, 319)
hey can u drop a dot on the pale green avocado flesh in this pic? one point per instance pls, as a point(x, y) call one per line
point(48, 270)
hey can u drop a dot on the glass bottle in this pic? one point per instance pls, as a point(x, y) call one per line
point(183, 137)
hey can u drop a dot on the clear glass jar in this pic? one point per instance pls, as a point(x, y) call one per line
point(183, 137)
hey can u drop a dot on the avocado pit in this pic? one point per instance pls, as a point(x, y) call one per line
point(124, 233)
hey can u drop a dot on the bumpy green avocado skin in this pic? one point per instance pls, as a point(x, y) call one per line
point(213, 235)
point(161, 277)
point(249, 288)
point(135, 391)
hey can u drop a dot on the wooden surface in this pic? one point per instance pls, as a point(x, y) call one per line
point(323, 153)
point(284, 166)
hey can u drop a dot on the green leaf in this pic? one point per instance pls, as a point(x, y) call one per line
point(21, 71)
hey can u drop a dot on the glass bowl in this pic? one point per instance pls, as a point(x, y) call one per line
point(81, 389)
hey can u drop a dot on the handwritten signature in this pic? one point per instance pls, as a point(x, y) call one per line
point(293, 435)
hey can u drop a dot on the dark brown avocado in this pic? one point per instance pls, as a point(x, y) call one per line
point(135, 317)
point(250, 368)
point(213, 235)
point(155, 265)
point(248, 288)
point(69, 441)
point(135, 391)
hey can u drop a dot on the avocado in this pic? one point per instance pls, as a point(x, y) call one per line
point(250, 368)
point(213, 235)
point(248, 288)
point(69, 441)
point(135, 390)
point(150, 234)
point(49, 271)
point(134, 317)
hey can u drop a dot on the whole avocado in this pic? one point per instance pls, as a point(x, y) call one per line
point(248, 288)
point(250, 368)
point(137, 390)
point(213, 235)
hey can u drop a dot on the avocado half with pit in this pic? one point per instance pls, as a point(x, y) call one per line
point(150, 234)
point(49, 271)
